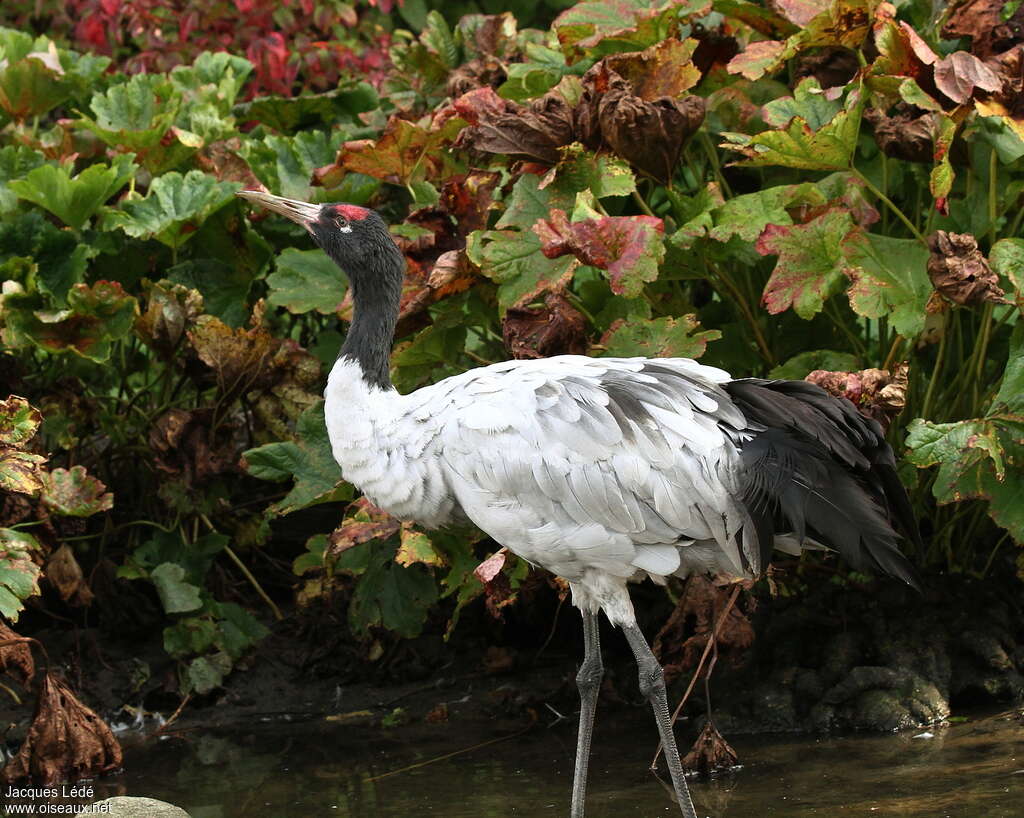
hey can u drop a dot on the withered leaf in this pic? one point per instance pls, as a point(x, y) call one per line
point(533, 131)
point(907, 134)
point(66, 741)
point(469, 197)
point(65, 574)
point(681, 640)
point(958, 75)
point(665, 69)
point(222, 160)
point(982, 21)
point(877, 393)
point(833, 66)
point(363, 522)
point(16, 657)
point(170, 310)
point(75, 493)
point(960, 272)
point(649, 134)
point(186, 445)
point(482, 72)
point(1008, 101)
point(557, 328)
point(710, 752)
point(629, 248)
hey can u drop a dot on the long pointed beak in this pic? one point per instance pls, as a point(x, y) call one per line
point(302, 213)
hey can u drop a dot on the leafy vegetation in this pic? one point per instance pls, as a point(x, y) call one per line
point(822, 189)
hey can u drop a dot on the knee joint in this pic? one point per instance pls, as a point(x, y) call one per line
point(589, 676)
point(650, 679)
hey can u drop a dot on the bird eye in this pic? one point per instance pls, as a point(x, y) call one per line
point(341, 221)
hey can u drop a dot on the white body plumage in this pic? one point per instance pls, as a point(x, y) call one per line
point(600, 470)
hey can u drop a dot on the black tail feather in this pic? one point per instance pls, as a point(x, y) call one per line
point(818, 466)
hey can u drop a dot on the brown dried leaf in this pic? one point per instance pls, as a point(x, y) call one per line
point(679, 648)
point(557, 328)
point(498, 591)
point(534, 131)
point(960, 272)
point(469, 197)
point(170, 310)
point(833, 66)
point(363, 522)
point(186, 446)
point(65, 574)
point(908, 134)
point(482, 72)
point(66, 742)
point(16, 658)
point(958, 75)
point(982, 21)
point(710, 752)
point(648, 134)
point(877, 393)
point(1008, 101)
point(799, 12)
point(221, 159)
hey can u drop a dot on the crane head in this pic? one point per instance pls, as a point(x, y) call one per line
point(356, 238)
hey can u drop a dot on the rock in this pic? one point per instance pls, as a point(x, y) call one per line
point(123, 806)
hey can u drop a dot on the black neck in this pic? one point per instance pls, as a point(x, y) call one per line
point(376, 295)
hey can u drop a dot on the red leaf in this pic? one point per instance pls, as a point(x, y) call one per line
point(490, 567)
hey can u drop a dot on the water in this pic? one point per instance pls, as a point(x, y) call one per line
point(286, 770)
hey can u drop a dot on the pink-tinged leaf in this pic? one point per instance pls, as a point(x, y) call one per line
point(628, 248)
point(490, 567)
point(757, 59)
point(810, 265)
point(75, 493)
point(960, 73)
point(800, 12)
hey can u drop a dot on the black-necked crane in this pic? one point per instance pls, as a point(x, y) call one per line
point(601, 470)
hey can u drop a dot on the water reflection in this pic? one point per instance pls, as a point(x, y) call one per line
point(313, 769)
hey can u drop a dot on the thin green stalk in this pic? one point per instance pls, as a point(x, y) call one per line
point(246, 573)
point(940, 358)
point(642, 204)
point(712, 153)
point(741, 303)
point(889, 203)
point(993, 168)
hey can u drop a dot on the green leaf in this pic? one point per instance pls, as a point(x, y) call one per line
point(799, 366)
point(391, 596)
point(75, 493)
point(808, 102)
point(286, 163)
point(603, 176)
point(799, 145)
point(889, 279)
point(1007, 259)
point(55, 259)
point(290, 114)
point(529, 202)
point(173, 209)
point(811, 263)
point(1010, 397)
point(306, 280)
point(309, 462)
point(977, 459)
point(215, 76)
point(32, 86)
point(748, 215)
point(96, 317)
point(658, 338)
point(416, 547)
point(176, 595)
point(15, 162)
point(134, 115)
point(513, 260)
point(206, 673)
point(21, 471)
point(190, 635)
point(598, 27)
point(74, 199)
point(19, 421)
point(19, 575)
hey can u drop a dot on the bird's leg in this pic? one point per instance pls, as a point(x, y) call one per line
point(588, 680)
point(652, 685)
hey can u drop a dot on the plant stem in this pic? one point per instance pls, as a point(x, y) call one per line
point(741, 302)
point(940, 357)
point(246, 573)
point(899, 213)
point(642, 204)
point(993, 167)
